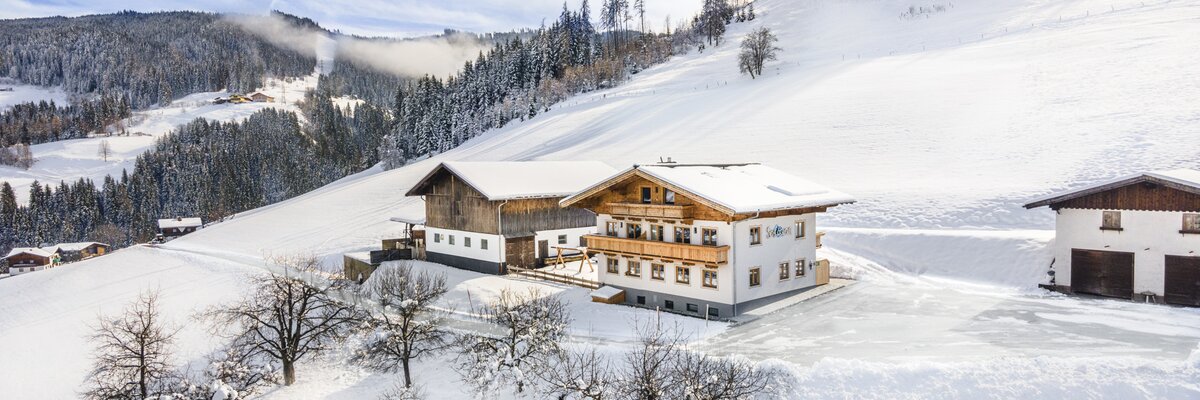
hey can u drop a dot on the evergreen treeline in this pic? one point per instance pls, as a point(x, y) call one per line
point(44, 121)
point(145, 58)
point(524, 76)
point(206, 169)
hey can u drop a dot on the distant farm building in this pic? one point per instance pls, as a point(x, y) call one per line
point(1135, 237)
point(81, 250)
point(178, 226)
point(28, 259)
point(489, 216)
point(259, 97)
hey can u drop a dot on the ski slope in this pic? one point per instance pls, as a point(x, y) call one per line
point(942, 122)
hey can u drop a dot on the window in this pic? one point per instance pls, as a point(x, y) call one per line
point(582, 241)
point(466, 241)
point(657, 271)
point(451, 240)
point(562, 239)
point(683, 275)
point(633, 231)
point(633, 268)
point(457, 207)
point(683, 234)
point(668, 196)
point(800, 267)
point(784, 273)
point(755, 235)
point(612, 265)
point(710, 278)
point(656, 232)
point(709, 237)
point(1191, 223)
point(483, 244)
point(641, 300)
point(1111, 221)
point(437, 238)
point(645, 195)
point(610, 228)
point(670, 304)
point(693, 308)
point(800, 233)
point(755, 276)
point(712, 312)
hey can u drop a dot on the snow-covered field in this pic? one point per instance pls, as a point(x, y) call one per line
point(944, 123)
point(22, 93)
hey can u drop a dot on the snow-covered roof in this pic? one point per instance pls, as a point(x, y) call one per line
point(168, 223)
point(606, 292)
point(409, 219)
point(77, 246)
point(738, 188)
point(1183, 179)
point(28, 250)
point(510, 180)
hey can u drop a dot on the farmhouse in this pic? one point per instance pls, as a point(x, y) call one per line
point(487, 216)
point(1135, 237)
point(706, 239)
point(28, 259)
point(81, 250)
point(178, 226)
point(259, 97)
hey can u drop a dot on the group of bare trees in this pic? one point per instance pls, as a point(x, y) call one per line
point(290, 316)
point(19, 155)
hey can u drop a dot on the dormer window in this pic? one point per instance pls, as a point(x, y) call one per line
point(1111, 221)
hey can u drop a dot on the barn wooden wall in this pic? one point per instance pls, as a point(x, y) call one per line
point(524, 217)
point(452, 204)
point(1139, 196)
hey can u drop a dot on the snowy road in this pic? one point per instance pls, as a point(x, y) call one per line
point(918, 320)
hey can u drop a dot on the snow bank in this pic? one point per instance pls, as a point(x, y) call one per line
point(1005, 258)
point(1014, 378)
point(1193, 360)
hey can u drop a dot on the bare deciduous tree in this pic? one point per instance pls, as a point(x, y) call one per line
point(288, 316)
point(579, 375)
point(133, 353)
point(648, 370)
point(532, 327)
point(105, 150)
point(757, 48)
point(407, 328)
point(702, 377)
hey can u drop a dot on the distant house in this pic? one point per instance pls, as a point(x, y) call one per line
point(173, 227)
point(28, 259)
point(81, 250)
point(1136, 237)
point(259, 97)
point(488, 216)
point(713, 240)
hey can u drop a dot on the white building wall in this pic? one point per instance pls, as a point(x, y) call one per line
point(437, 240)
point(572, 234)
point(1150, 235)
point(779, 245)
point(695, 289)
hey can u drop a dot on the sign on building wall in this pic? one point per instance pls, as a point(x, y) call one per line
point(778, 231)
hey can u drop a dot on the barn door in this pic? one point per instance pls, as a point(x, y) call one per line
point(1182, 281)
point(543, 249)
point(1104, 273)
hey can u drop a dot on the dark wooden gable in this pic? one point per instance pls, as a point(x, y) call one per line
point(450, 203)
point(628, 189)
point(1144, 195)
point(526, 216)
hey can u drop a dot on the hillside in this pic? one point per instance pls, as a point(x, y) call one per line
point(944, 121)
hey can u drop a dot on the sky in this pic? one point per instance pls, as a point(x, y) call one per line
point(395, 18)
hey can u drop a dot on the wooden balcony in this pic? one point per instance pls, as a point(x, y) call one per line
point(650, 210)
point(668, 250)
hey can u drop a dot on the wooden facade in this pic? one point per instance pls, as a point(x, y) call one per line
point(451, 203)
point(23, 260)
point(1145, 194)
point(649, 249)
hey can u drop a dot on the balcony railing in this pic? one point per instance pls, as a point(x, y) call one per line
point(650, 210)
point(668, 250)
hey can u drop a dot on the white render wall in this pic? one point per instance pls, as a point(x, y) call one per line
point(743, 257)
point(695, 289)
point(1150, 235)
point(573, 235)
point(772, 251)
point(494, 252)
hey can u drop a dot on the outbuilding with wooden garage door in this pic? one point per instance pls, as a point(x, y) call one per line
point(1136, 237)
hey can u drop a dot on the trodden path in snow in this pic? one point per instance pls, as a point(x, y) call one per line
point(906, 319)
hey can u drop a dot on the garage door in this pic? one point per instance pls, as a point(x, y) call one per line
point(1105, 273)
point(1183, 281)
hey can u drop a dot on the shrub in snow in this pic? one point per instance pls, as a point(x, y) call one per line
point(287, 317)
point(532, 326)
point(578, 375)
point(133, 352)
point(403, 391)
point(406, 328)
